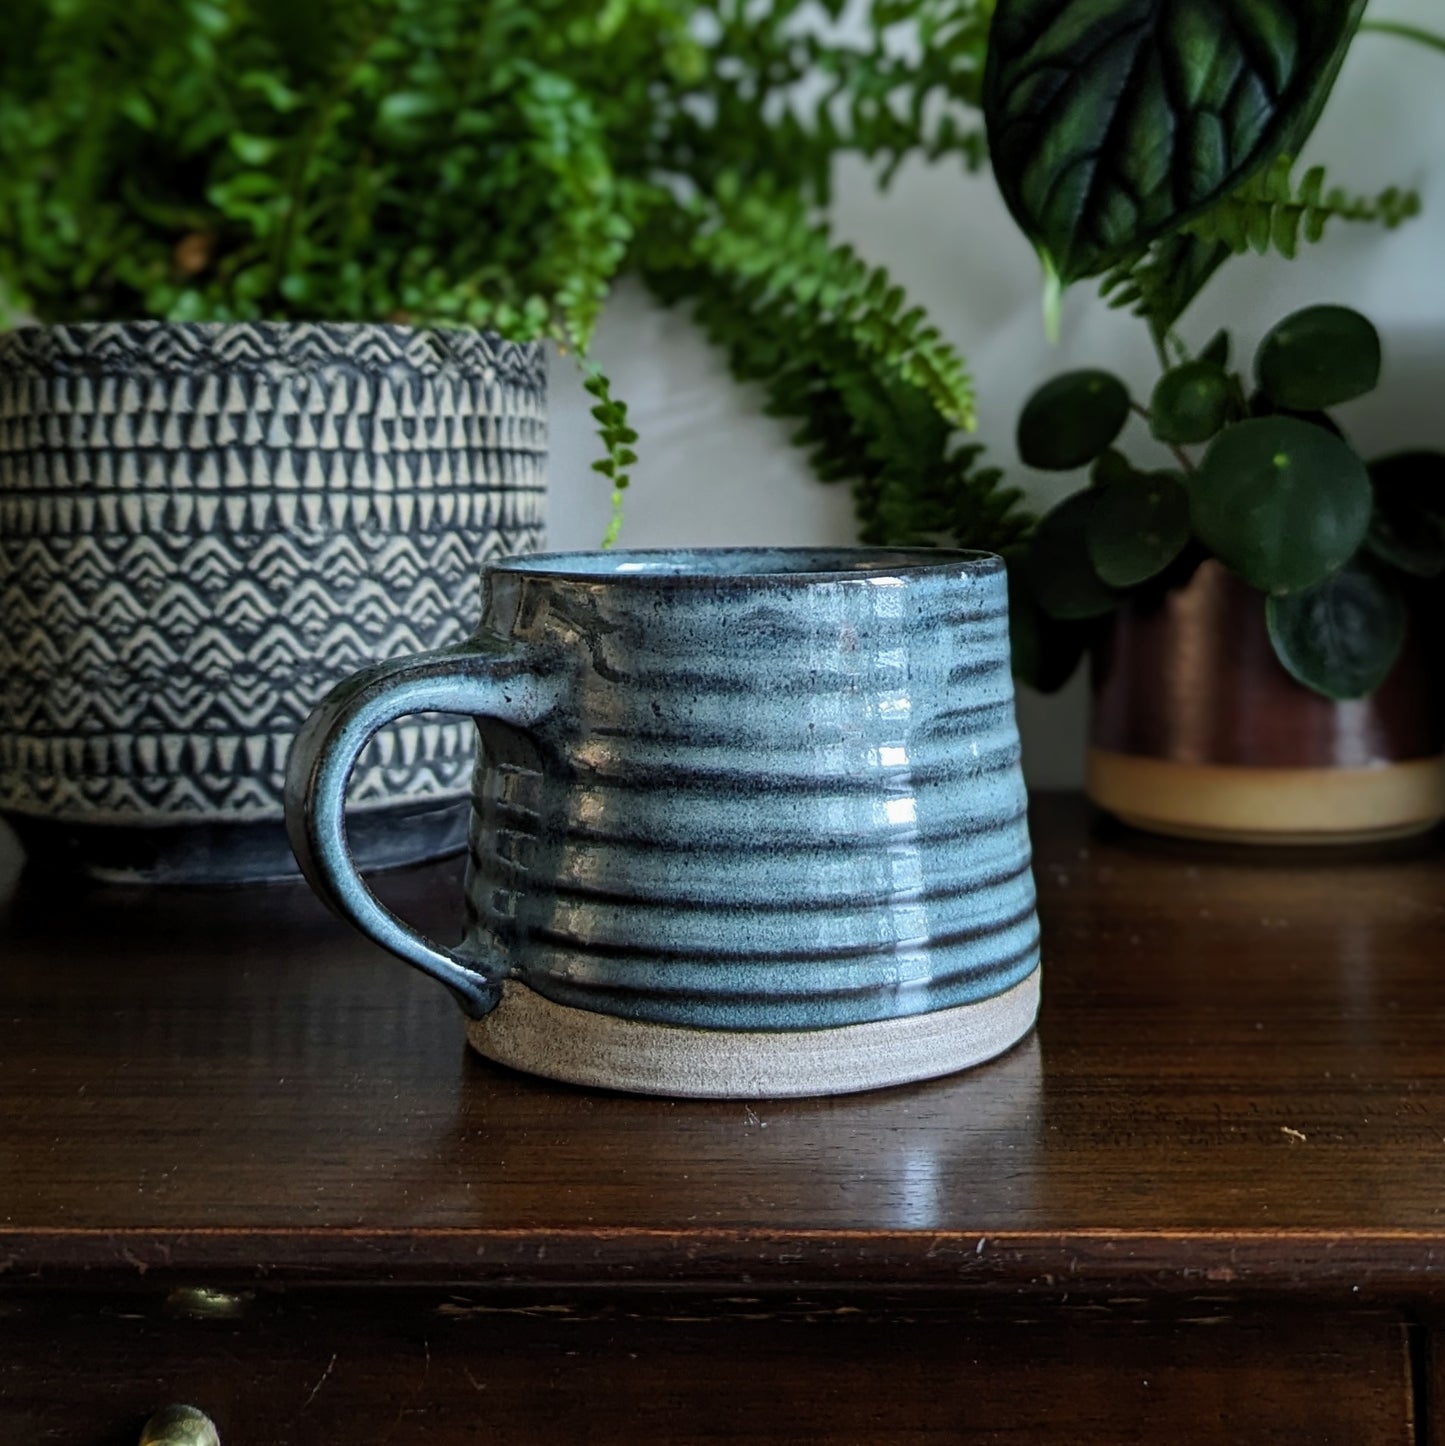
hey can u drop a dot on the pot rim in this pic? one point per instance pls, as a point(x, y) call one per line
point(744, 567)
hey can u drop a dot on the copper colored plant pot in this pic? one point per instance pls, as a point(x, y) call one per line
point(1197, 729)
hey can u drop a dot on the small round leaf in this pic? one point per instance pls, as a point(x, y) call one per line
point(1318, 357)
point(1342, 636)
point(1071, 419)
point(1190, 403)
point(1058, 570)
point(1281, 502)
point(1137, 527)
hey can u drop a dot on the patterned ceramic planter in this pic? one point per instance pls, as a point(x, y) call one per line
point(1198, 730)
point(201, 527)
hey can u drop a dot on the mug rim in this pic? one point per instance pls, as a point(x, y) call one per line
point(890, 562)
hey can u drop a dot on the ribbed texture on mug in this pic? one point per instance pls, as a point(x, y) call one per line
point(790, 804)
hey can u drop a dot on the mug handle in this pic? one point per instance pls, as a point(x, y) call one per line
point(484, 677)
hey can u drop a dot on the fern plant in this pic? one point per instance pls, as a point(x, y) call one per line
point(498, 164)
point(1270, 213)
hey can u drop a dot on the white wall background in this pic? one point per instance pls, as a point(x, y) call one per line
point(714, 470)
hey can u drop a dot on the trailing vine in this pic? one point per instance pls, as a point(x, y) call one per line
point(618, 439)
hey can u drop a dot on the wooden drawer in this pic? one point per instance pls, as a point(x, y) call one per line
point(407, 1368)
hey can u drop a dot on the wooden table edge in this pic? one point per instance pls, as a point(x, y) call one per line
point(1371, 1265)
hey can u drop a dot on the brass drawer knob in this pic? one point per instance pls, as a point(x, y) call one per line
point(180, 1426)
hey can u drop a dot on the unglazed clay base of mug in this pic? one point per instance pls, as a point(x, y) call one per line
point(1269, 805)
point(529, 1032)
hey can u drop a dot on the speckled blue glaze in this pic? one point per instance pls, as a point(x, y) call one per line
point(753, 789)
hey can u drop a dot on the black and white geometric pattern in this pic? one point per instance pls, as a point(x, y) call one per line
point(204, 527)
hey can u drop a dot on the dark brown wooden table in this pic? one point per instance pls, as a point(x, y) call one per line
point(247, 1161)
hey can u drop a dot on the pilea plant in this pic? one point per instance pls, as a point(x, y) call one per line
point(498, 164)
point(1277, 494)
point(1141, 142)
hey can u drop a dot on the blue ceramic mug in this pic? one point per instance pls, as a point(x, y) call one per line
point(747, 822)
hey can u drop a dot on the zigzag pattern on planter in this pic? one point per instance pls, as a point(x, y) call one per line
point(192, 554)
point(127, 348)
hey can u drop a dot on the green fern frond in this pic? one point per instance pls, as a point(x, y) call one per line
point(917, 90)
point(804, 274)
point(861, 421)
point(1161, 282)
point(1268, 213)
point(1272, 213)
point(781, 91)
point(1431, 39)
point(914, 484)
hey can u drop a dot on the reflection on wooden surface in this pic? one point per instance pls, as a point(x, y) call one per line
point(1237, 1069)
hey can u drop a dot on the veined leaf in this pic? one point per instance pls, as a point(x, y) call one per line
point(1111, 122)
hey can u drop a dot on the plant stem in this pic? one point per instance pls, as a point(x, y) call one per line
point(1160, 350)
point(614, 522)
point(1053, 301)
point(1185, 461)
point(1180, 455)
point(1416, 33)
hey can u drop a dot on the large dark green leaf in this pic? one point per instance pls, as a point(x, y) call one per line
point(1111, 121)
point(1282, 502)
point(1341, 637)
